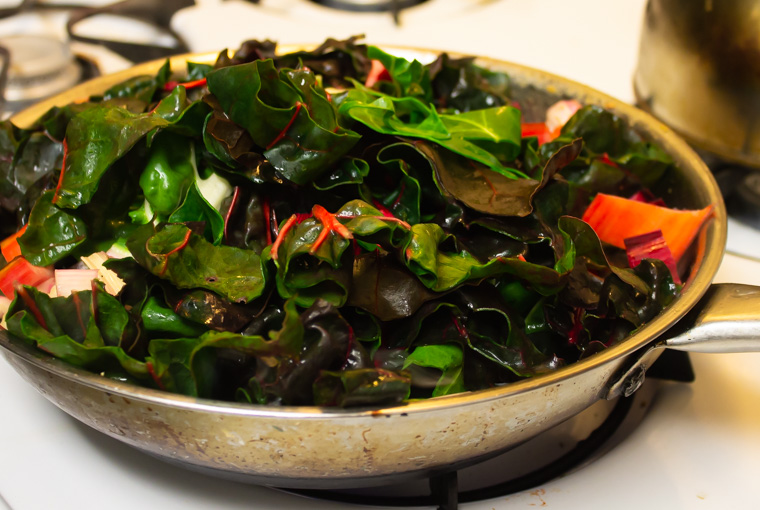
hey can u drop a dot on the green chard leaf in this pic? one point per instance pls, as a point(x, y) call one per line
point(173, 252)
point(67, 328)
point(285, 112)
point(490, 136)
point(99, 136)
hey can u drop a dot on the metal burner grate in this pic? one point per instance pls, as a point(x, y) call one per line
point(394, 7)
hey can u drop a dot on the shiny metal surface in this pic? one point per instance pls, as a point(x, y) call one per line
point(318, 447)
point(726, 321)
point(699, 72)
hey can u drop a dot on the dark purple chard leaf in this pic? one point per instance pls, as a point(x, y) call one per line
point(605, 133)
point(229, 147)
point(367, 328)
point(489, 192)
point(245, 219)
point(346, 171)
point(220, 137)
point(327, 339)
point(487, 243)
point(410, 79)
point(599, 177)
point(461, 85)
point(308, 281)
point(98, 137)
point(248, 52)
point(360, 388)
point(297, 127)
point(52, 233)
point(29, 163)
point(211, 310)
point(435, 323)
point(305, 273)
point(582, 241)
point(11, 139)
point(38, 156)
point(186, 365)
point(497, 333)
point(143, 87)
point(174, 253)
point(384, 287)
point(89, 348)
point(403, 182)
point(491, 137)
point(336, 61)
point(393, 186)
point(447, 358)
point(620, 299)
point(441, 269)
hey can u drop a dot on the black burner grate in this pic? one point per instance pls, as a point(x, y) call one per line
point(394, 7)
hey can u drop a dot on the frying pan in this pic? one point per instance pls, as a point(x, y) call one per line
point(313, 447)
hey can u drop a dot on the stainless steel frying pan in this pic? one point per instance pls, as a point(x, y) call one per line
point(312, 447)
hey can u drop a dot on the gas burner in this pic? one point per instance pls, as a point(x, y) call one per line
point(37, 67)
point(369, 5)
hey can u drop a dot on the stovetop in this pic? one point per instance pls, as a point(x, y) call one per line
point(697, 445)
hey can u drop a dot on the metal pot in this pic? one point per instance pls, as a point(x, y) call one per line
point(699, 72)
point(311, 447)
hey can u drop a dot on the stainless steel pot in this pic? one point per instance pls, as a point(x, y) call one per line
point(318, 447)
point(699, 72)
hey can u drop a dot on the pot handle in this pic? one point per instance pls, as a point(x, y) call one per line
point(727, 319)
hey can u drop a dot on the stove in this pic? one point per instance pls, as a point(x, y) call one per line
point(679, 445)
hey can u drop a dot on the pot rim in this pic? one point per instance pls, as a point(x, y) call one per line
point(710, 246)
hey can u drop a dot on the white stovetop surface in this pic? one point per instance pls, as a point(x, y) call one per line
point(698, 448)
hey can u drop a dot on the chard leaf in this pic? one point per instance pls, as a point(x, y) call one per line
point(142, 87)
point(441, 269)
point(71, 331)
point(306, 274)
point(173, 252)
point(195, 208)
point(410, 79)
point(382, 286)
point(461, 85)
point(360, 387)
point(448, 359)
point(346, 171)
point(490, 137)
point(490, 192)
point(605, 133)
point(52, 233)
point(168, 174)
point(99, 136)
point(183, 365)
point(286, 113)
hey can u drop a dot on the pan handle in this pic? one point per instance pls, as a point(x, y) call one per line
point(727, 319)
